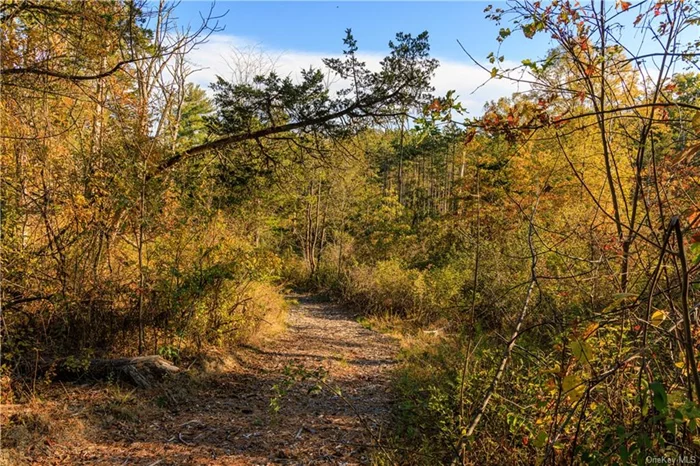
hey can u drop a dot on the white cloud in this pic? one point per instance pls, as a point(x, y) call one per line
point(235, 58)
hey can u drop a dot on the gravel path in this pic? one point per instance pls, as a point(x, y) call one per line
point(230, 422)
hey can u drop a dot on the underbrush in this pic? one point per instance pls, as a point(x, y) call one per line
point(207, 337)
point(207, 289)
point(548, 408)
point(232, 315)
point(389, 288)
point(419, 285)
point(437, 388)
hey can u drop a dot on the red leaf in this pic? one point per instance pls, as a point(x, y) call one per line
point(558, 120)
point(670, 87)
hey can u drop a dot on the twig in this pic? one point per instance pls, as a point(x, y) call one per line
point(193, 421)
point(179, 436)
point(516, 333)
point(645, 331)
point(688, 343)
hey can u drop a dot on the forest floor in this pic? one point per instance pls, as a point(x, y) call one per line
point(227, 419)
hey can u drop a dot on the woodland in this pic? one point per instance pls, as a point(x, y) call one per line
point(538, 265)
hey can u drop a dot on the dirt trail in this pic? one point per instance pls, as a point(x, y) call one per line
point(232, 423)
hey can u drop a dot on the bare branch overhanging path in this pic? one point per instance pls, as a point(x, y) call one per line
point(232, 424)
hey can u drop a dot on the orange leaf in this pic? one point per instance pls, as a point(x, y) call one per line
point(435, 106)
point(625, 5)
point(693, 217)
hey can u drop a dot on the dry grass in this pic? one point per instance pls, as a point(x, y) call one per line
point(270, 310)
point(30, 430)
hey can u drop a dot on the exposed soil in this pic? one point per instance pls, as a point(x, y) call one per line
point(229, 421)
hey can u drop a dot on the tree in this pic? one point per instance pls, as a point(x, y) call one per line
point(272, 105)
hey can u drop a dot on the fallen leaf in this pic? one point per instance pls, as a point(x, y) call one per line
point(657, 317)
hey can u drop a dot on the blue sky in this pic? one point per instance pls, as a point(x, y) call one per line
point(296, 35)
point(319, 26)
point(289, 36)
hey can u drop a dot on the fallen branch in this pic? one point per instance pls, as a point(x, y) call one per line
point(140, 371)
